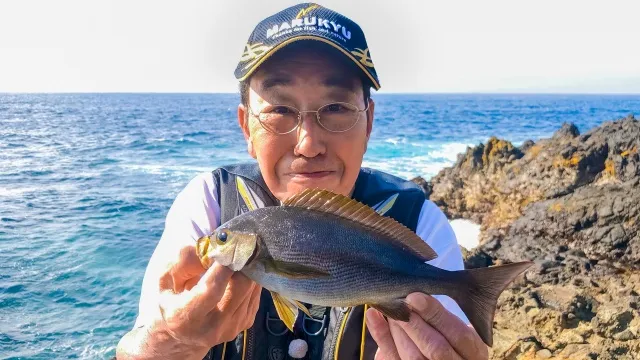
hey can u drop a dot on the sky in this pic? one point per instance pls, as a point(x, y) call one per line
point(556, 46)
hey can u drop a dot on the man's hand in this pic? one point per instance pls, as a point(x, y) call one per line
point(198, 309)
point(432, 333)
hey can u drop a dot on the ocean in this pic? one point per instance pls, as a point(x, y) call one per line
point(86, 181)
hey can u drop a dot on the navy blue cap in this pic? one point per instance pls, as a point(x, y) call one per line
point(307, 21)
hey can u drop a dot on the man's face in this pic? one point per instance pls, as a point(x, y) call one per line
point(310, 156)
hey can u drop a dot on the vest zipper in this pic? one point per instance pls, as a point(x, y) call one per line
point(342, 320)
point(247, 349)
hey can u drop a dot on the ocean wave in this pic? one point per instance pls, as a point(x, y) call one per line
point(396, 140)
point(161, 169)
point(432, 159)
point(449, 151)
point(199, 133)
point(15, 192)
point(408, 167)
point(93, 351)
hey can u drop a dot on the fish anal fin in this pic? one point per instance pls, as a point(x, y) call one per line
point(353, 210)
point(397, 310)
point(294, 270)
point(287, 311)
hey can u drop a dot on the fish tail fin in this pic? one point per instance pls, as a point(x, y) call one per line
point(480, 298)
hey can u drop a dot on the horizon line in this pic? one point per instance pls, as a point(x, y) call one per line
point(372, 94)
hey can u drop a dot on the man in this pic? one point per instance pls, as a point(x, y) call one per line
point(306, 114)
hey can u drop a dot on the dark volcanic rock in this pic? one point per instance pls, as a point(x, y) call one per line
point(571, 204)
point(424, 184)
point(567, 131)
point(597, 225)
point(492, 184)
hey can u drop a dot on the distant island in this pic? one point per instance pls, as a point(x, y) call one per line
point(571, 203)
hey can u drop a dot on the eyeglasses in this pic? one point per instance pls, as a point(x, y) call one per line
point(335, 117)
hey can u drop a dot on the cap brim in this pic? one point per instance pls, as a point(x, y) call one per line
point(273, 50)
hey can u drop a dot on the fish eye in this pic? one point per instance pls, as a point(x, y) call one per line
point(222, 236)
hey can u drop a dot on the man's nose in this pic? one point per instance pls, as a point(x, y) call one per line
point(310, 142)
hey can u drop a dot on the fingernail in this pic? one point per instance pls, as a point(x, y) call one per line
point(374, 318)
point(418, 301)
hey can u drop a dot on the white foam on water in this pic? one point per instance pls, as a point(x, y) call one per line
point(19, 191)
point(395, 140)
point(15, 192)
point(406, 168)
point(158, 169)
point(449, 151)
point(431, 159)
point(467, 232)
point(95, 351)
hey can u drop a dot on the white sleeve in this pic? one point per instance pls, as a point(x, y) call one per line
point(434, 228)
point(195, 212)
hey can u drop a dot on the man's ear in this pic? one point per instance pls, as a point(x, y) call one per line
point(370, 113)
point(243, 121)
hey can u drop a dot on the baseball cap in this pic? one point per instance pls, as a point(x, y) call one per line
point(307, 21)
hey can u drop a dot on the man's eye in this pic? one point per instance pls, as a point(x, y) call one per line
point(280, 110)
point(334, 108)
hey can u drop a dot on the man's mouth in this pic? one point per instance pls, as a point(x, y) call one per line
point(310, 174)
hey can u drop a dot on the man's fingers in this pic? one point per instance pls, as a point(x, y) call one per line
point(209, 290)
point(241, 303)
point(186, 268)
point(462, 338)
point(245, 314)
point(407, 349)
point(238, 290)
point(183, 271)
point(166, 282)
point(255, 303)
point(379, 329)
point(431, 343)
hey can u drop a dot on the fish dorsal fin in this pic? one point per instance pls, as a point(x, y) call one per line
point(347, 208)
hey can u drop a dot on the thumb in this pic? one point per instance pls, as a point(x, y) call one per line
point(381, 333)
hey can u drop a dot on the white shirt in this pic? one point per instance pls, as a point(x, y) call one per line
point(196, 212)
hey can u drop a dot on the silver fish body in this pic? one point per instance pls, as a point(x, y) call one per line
point(364, 267)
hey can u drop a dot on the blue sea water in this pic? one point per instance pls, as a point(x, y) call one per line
point(86, 181)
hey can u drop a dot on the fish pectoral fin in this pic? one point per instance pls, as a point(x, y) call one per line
point(302, 307)
point(293, 270)
point(396, 309)
point(287, 310)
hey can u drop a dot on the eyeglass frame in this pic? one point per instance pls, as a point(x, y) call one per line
point(317, 112)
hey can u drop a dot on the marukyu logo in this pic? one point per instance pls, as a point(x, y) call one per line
point(303, 21)
point(304, 12)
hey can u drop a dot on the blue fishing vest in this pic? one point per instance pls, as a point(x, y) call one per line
point(331, 333)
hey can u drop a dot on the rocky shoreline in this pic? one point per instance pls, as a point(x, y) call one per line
point(571, 204)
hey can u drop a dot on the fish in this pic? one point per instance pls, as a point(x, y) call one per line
point(327, 249)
